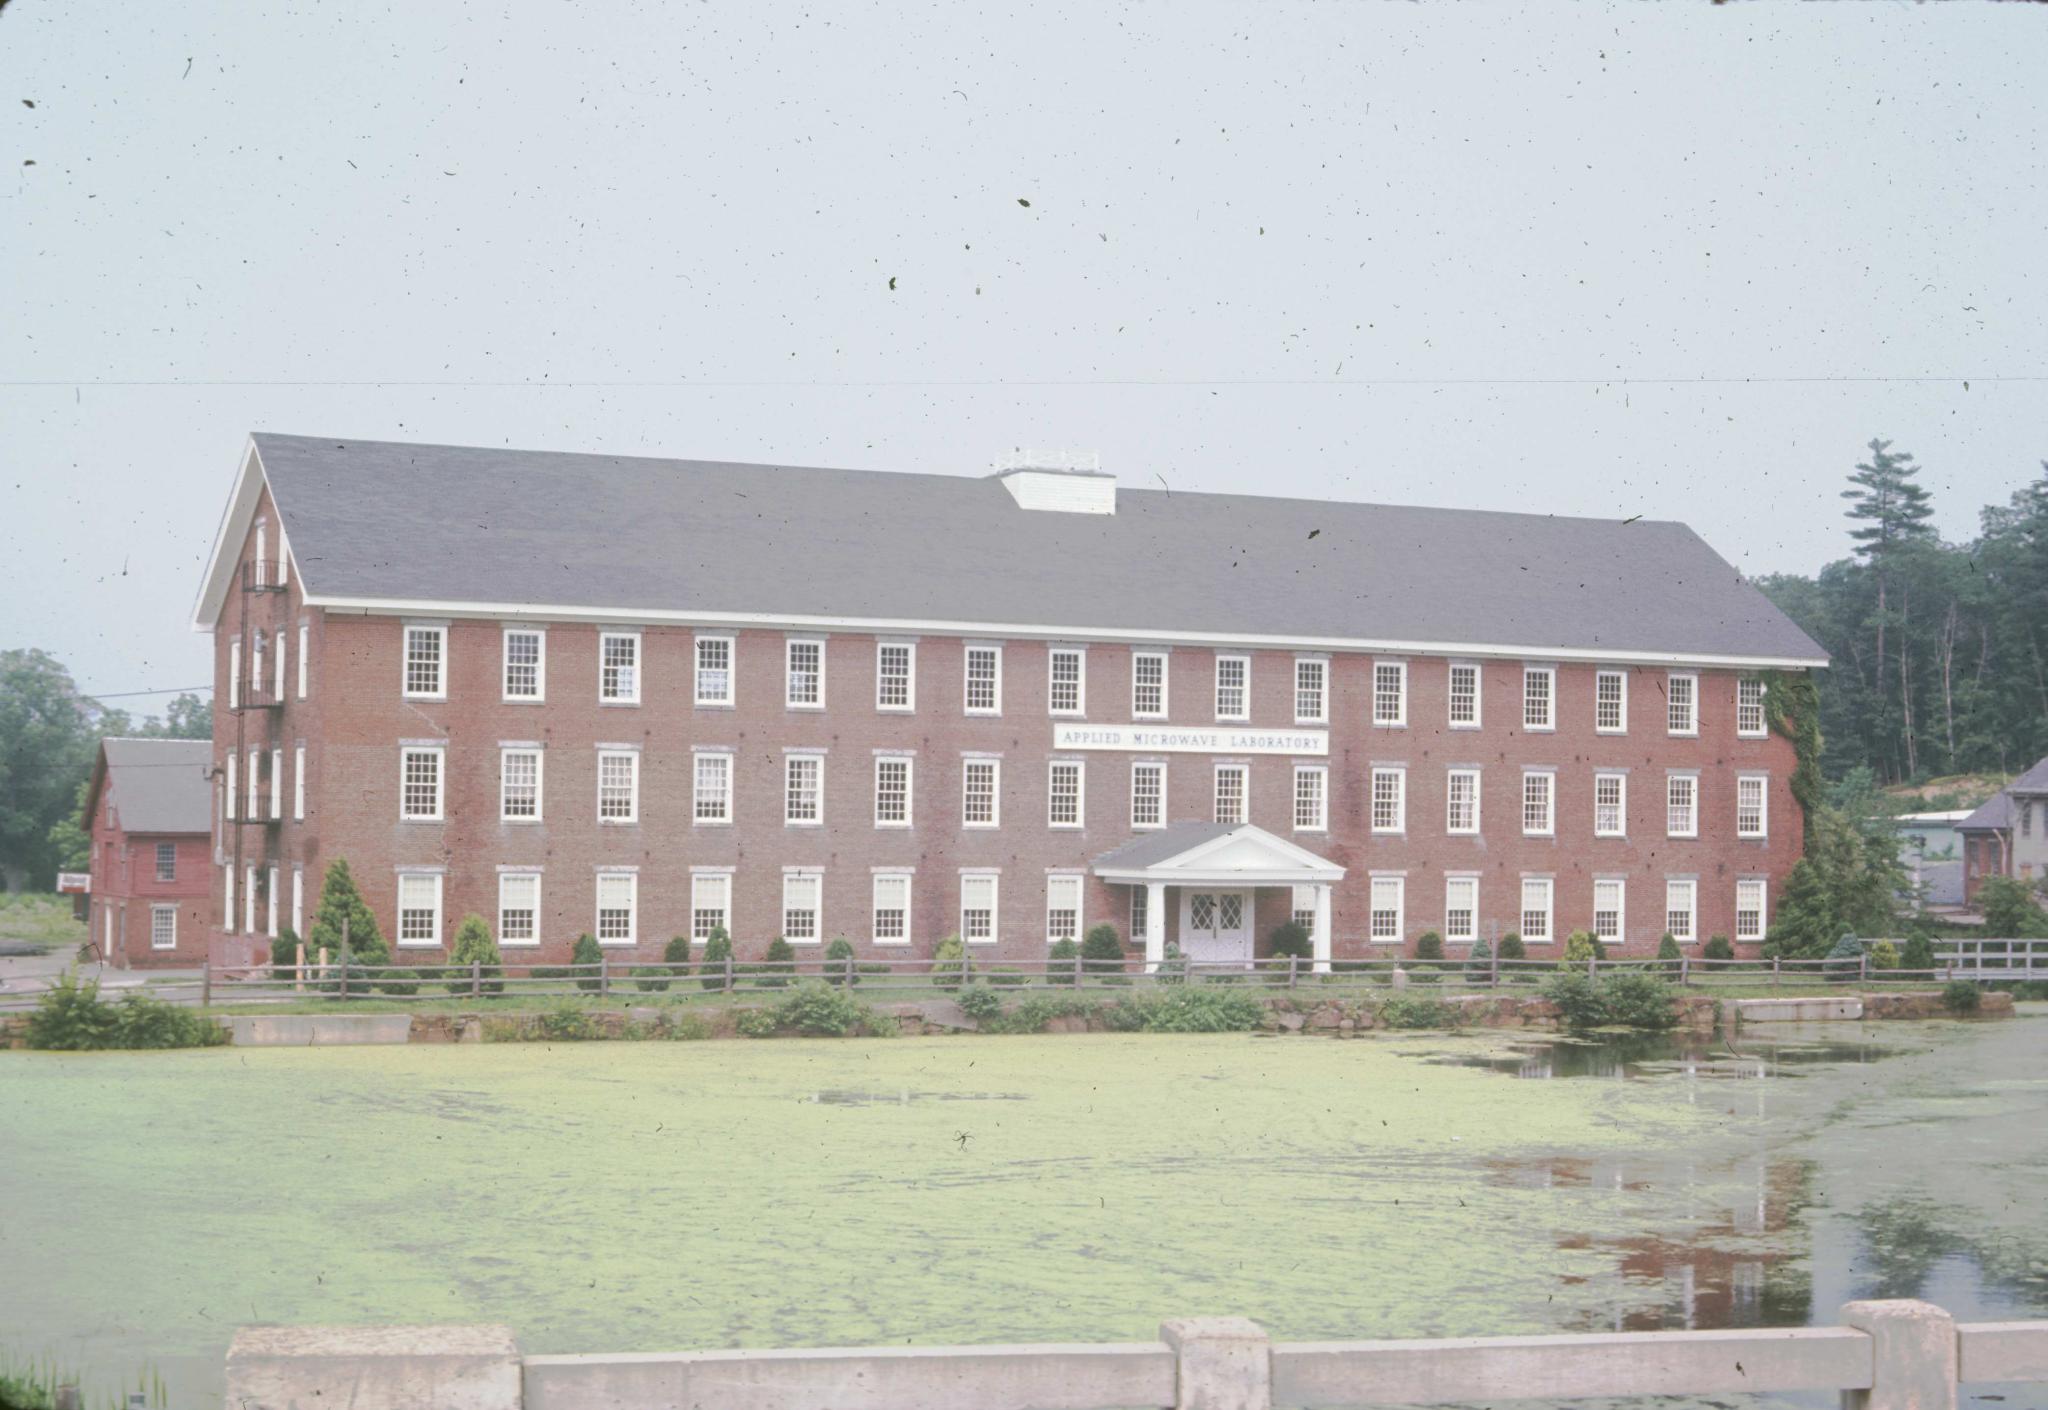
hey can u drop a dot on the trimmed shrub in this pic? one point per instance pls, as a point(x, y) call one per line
point(1635, 999)
point(755, 1023)
point(339, 901)
point(586, 952)
point(1511, 947)
point(1102, 950)
point(475, 945)
point(675, 958)
point(403, 980)
point(1479, 962)
point(980, 1003)
point(1173, 968)
point(1429, 949)
point(819, 1010)
point(1718, 948)
point(1292, 941)
point(1060, 958)
point(1844, 960)
point(780, 970)
point(1884, 955)
point(1039, 1008)
point(1006, 978)
point(1202, 1010)
point(1667, 948)
point(839, 962)
point(950, 964)
point(284, 953)
point(567, 1024)
point(717, 953)
point(1918, 954)
point(1960, 997)
point(1417, 1011)
point(1579, 947)
point(1577, 997)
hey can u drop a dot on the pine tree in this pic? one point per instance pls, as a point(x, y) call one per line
point(1894, 511)
point(475, 945)
point(1806, 922)
point(340, 900)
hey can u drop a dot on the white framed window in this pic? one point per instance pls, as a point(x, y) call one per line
point(1302, 910)
point(249, 900)
point(166, 861)
point(1750, 921)
point(1230, 792)
point(981, 793)
point(235, 674)
point(276, 785)
point(710, 905)
point(419, 909)
point(426, 663)
point(526, 664)
point(519, 785)
point(896, 676)
point(230, 793)
point(891, 923)
point(1062, 909)
point(1610, 805)
point(1681, 699)
point(1461, 802)
point(1311, 690)
point(1610, 905)
point(711, 789)
point(712, 684)
point(1389, 896)
point(1539, 697)
point(618, 668)
point(262, 551)
point(1063, 800)
point(1233, 687)
point(1389, 799)
point(255, 799)
point(1464, 693)
point(299, 901)
point(1461, 909)
point(1749, 708)
point(804, 674)
point(163, 927)
point(618, 786)
point(1066, 682)
point(304, 633)
point(1148, 685)
point(1752, 806)
point(256, 681)
point(1390, 692)
point(1311, 798)
point(1682, 805)
point(978, 908)
point(1537, 895)
point(1610, 702)
point(277, 684)
point(271, 898)
point(228, 908)
point(804, 790)
point(1141, 914)
point(419, 789)
point(618, 907)
point(1681, 896)
point(984, 686)
point(519, 908)
point(1539, 799)
point(1148, 794)
point(803, 895)
point(892, 790)
point(298, 784)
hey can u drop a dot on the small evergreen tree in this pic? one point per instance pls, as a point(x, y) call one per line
point(1429, 946)
point(1918, 954)
point(1479, 962)
point(284, 951)
point(717, 954)
point(780, 967)
point(475, 945)
point(1805, 923)
point(1579, 947)
point(1884, 955)
point(1717, 948)
point(2011, 910)
point(1667, 948)
point(1102, 950)
point(1844, 960)
point(839, 961)
point(339, 901)
point(1060, 962)
point(1511, 947)
point(586, 952)
point(1291, 941)
point(949, 961)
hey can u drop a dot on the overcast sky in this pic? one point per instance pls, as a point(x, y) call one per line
point(1678, 261)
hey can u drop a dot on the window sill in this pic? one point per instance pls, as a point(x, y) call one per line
point(903, 826)
point(890, 944)
point(616, 944)
point(803, 944)
point(797, 822)
point(803, 709)
point(711, 822)
point(436, 821)
point(618, 822)
point(410, 696)
point(520, 822)
point(522, 700)
point(1390, 724)
point(618, 704)
point(412, 945)
point(713, 705)
point(1610, 733)
point(519, 944)
point(1539, 729)
point(990, 941)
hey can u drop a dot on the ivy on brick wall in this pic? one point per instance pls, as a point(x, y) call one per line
point(1792, 706)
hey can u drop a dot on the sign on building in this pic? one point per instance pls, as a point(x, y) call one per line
point(1184, 739)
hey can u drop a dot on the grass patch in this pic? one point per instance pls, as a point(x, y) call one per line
point(40, 920)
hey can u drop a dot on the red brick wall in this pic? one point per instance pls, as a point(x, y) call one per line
point(125, 887)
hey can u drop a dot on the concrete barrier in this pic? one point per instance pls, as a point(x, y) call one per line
point(374, 1368)
point(318, 1030)
point(1808, 1010)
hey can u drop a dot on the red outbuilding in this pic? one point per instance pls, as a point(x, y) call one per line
point(150, 805)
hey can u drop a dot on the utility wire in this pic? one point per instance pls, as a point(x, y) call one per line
point(531, 383)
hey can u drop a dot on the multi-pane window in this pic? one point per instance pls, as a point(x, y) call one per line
point(804, 680)
point(1536, 908)
point(1233, 689)
point(1749, 909)
point(892, 790)
point(802, 892)
point(228, 907)
point(1311, 690)
point(1539, 697)
point(1609, 900)
point(419, 908)
point(304, 631)
point(1610, 805)
point(277, 685)
point(163, 927)
point(228, 794)
point(1141, 912)
point(1148, 794)
point(1063, 794)
point(419, 795)
point(895, 676)
point(1389, 800)
point(525, 655)
point(519, 908)
point(978, 908)
point(255, 799)
point(299, 900)
point(1464, 695)
point(1148, 685)
point(979, 780)
point(298, 785)
point(1680, 896)
point(426, 657)
point(618, 668)
point(1610, 702)
point(234, 675)
point(1751, 816)
point(256, 663)
point(166, 861)
point(1390, 693)
point(1311, 798)
point(1749, 707)
point(1062, 908)
point(984, 680)
point(1682, 805)
point(1384, 923)
point(1065, 674)
point(712, 792)
point(1461, 909)
point(804, 787)
point(1230, 791)
point(1539, 796)
point(1461, 801)
point(249, 900)
point(271, 893)
point(276, 784)
point(714, 670)
point(710, 904)
point(618, 786)
point(1303, 911)
point(519, 785)
point(1682, 691)
point(892, 908)
point(618, 895)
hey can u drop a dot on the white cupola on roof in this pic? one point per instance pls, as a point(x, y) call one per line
point(1070, 482)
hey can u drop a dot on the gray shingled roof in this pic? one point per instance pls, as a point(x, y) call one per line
point(2034, 780)
point(160, 785)
point(425, 523)
point(1994, 815)
point(1151, 848)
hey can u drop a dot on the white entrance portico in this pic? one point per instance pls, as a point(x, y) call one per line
point(1216, 870)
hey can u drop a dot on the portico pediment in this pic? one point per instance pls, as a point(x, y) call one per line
point(1215, 854)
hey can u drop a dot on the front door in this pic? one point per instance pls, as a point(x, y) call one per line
point(1216, 926)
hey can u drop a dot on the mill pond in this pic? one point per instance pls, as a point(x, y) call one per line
point(623, 1196)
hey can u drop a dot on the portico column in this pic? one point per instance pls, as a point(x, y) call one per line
point(1321, 938)
point(1155, 924)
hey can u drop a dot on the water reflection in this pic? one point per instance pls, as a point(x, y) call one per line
point(1636, 1055)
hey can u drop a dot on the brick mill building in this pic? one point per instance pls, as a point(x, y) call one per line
point(646, 698)
point(154, 869)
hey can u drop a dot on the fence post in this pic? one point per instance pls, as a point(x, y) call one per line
point(1776, 963)
point(1292, 962)
point(1685, 970)
point(1493, 966)
point(1220, 1363)
point(344, 962)
point(1077, 969)
point(728, 974)
point(1863, 967)
point(206, 982)
point(476, 979)
point(1913, 1353)
point(967, 969)
point(604, 976)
